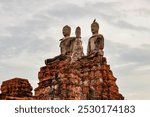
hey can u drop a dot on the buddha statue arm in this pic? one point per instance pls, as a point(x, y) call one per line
point(100, 42)
point(62, 48)
point(88, 48)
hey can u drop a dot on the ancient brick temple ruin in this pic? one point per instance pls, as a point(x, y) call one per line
point(70, 75)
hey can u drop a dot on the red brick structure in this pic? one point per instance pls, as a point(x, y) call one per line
point(85, 79)
point(16, 89)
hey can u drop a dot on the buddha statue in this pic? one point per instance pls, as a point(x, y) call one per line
point(77, 48)
point(65, 44)
point(96, 41)
point(70, 47)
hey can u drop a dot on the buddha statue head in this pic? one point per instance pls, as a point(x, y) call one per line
point(66, 31)
point(94, 27)
point(78, 32)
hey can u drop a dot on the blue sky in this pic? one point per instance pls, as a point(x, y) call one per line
point(30, 31)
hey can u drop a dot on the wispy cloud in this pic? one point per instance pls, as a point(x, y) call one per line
point(125, 25)
point(131, 67)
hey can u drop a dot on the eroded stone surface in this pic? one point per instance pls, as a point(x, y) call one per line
point(77, 51)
